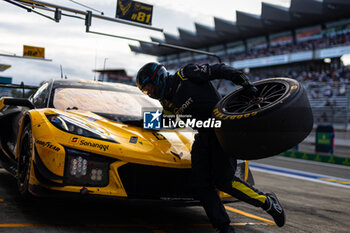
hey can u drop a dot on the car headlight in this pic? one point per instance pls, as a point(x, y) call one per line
point(74, 126)
point(86, 169)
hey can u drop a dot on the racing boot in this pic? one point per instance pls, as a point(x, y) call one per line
point(273, 207)
point(226, 229)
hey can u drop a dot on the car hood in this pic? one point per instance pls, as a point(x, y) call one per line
point(132, 143)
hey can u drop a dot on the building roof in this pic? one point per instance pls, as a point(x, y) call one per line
point(273, 18)
point(110, 71)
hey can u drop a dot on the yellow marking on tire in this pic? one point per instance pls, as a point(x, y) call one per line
point(268, 222)
point(294, 87)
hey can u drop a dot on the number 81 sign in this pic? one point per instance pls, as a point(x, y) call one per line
point(134, 11)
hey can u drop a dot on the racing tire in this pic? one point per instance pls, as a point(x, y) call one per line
point(25, 160)
point(279, 118)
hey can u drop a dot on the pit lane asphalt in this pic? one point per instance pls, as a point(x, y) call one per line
point(309, 206)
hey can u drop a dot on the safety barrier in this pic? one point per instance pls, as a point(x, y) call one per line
point(317, 157)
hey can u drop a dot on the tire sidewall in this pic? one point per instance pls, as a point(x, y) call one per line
point(294, 88)
point(23, 187)
point(270, 131)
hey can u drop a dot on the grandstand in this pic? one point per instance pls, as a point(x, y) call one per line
point(304, 42)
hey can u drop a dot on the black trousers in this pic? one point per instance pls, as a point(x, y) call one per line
point(213, 169)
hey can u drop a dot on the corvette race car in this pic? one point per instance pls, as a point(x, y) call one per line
point(84, 137)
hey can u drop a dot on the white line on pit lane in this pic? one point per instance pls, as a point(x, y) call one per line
point(297, 174)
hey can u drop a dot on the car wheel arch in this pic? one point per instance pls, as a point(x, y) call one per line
point(26, 119)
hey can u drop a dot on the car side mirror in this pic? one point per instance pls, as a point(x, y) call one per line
point(23, 102)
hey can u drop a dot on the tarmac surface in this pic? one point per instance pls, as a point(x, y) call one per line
point(310, 207)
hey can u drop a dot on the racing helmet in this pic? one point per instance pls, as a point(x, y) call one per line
point(152, 80)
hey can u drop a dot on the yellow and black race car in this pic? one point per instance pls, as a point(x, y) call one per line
point(84, 137)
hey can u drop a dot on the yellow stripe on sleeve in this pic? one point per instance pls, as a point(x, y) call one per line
point(178, 73)
point(248, 191)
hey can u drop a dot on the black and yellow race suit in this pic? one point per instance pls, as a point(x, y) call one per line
point(192, 93)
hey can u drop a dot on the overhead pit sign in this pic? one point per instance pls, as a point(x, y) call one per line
point(31, 51)
point(4, 67)
point(134, 11)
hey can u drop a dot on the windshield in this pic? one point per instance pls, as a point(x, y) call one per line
point(127, 104)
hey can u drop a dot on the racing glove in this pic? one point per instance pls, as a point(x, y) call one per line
point(236, 76)
point(248, 88)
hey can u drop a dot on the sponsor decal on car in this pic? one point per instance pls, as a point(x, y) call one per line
point(48, 145)
point(90, 118)
point(159, 136)
point(177, 155)
point(74, 139)
point(94, 145)
point(133, 139)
